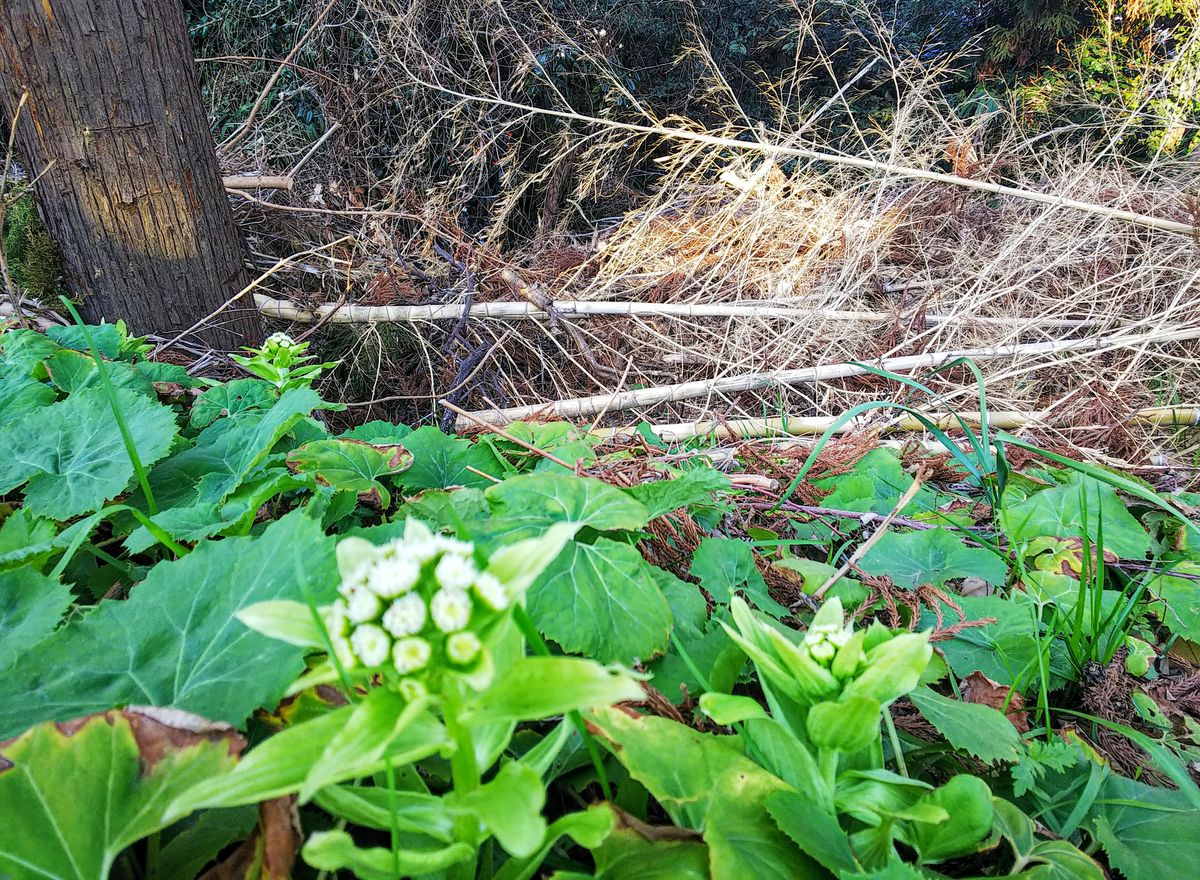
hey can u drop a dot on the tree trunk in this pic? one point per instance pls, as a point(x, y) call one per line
point(133, 195)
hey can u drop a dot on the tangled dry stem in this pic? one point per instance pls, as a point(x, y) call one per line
point(445, 193)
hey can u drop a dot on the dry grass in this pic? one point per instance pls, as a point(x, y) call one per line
point(439, 166)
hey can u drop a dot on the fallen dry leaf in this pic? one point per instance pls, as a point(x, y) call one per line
point(978, 688)
point(270, 852)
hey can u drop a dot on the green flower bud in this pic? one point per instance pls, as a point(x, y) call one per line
point(823, 652)
point(462, 648)
point(812, 678)
point(411, 655)
point(892, 669)
point(829, 617)
point(411, 689)
point(849, 657)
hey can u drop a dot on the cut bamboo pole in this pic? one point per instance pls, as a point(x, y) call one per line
point(747, 429)
point(257, 181)
point(519, 311)
point(583, 407)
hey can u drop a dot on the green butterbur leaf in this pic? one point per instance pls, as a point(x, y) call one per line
point(284, 620)
point(967, 802)
point(542, 687)
point(695, 486)
point(31, 606)
point(846, 726)
point(725, 566)
point(336, 851)
point(980, 730)
point(72, 455)
point(518, 565)
point(510, 807)
point(727, 709)
point(931, 556)
point(602, 600)
point(893, 668)
point(57, 783)
point(351, 465)
point(1059, 512)
point(525, 506)
point(176, 641)
point(440, 462)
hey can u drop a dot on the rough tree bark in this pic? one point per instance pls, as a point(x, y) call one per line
point(134, 196)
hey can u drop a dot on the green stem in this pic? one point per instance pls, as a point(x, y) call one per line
point(463, 765)
point(464, 771)
point(827, 760)
point(897, 749)
point(528, 629)
point(689, 663)
point(111, 391)
point(153, 848)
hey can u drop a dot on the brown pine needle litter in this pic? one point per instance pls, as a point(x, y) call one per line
point(716, 247)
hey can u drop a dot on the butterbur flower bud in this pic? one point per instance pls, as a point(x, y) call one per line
point(371, 644)
point(453, 545)
point(335, 619)
point(419, 542)
point(829, 617)
point(405, 616)
point(411, 689)
point(451, 610)
point(455, 572)
point(279, 339)
point(411, 655)
point(393, 576)
point(823, 651)
point(849, 657)
point(491, 592)
point(363, 606)
point(463, 647)
point(812, 677)
point(353, 582)
point(343, 651)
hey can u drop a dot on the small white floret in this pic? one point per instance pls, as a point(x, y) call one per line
point(491, 592)
point(344, 652)
point(393, 576)
point(363, 606)
point(371, 644)
point(451, 610)
point(335, 619)
point(405, 616)
point(463, 647)
point(411, 655)
point(455, 572)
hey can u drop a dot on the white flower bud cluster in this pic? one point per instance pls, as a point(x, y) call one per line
point(410, 604)
point(281, 340)
point(823, 641)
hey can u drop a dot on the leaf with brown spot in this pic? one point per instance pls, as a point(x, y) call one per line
point(127, 766)
point(352, 465)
